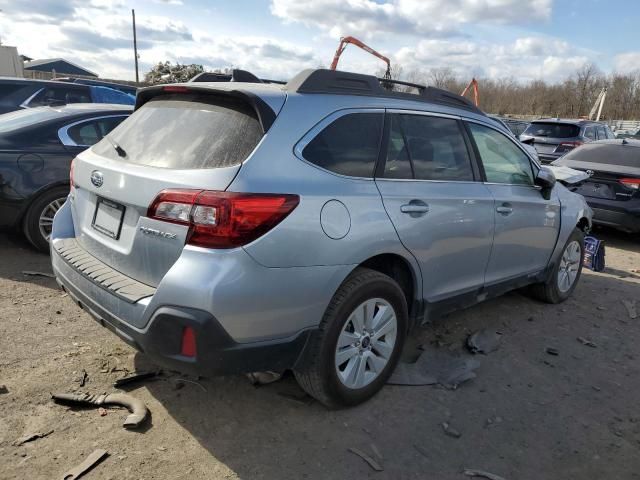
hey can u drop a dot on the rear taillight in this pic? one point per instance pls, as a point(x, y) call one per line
point(222, 219)
point(633, 183)
point(71, 172)
point(566, 146)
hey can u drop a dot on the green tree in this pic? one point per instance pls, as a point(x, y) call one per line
point(172, 73)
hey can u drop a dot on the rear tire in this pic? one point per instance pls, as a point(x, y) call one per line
point(347, 361)
point(566, 273)
point(39, 218)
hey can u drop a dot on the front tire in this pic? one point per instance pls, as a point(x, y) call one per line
point(38, 221)
point(358, 342)
point(566, 273)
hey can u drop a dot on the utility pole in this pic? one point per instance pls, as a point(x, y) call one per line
point(135, 43)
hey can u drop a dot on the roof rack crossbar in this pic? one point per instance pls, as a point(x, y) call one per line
point(401, 82)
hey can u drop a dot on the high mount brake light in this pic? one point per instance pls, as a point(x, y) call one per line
point(222, 219)
point(633, 183)
point(175, 89)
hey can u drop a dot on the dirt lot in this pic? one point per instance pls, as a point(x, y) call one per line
point(528, 414)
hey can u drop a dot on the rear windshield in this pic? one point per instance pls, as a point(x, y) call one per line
point(185, 131)
point(552, 130)
point(608, 154)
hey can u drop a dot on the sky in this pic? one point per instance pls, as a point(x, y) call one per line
point(524, 40)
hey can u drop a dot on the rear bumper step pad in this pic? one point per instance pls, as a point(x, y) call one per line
point(100, 273)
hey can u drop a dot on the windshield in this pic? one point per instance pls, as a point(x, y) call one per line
point(185, 131)
point(552, 130)
point(12, 121)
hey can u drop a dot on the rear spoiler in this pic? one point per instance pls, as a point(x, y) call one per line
point(266, 115)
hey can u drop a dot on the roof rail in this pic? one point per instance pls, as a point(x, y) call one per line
point(236, 75)
point(347, 83)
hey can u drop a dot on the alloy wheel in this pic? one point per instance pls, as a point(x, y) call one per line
point(366, 343)
point(569, 266)
point(45, 222)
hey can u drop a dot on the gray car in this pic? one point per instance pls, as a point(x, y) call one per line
point(242, 227)
point(553, 137)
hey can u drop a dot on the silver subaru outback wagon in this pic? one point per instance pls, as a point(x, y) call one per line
point(241, 227)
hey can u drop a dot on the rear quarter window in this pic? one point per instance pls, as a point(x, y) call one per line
point(347, 146)
point(552, 130)
point(186, 131)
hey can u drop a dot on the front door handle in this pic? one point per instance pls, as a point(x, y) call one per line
point(415, 208)
point(504, 209)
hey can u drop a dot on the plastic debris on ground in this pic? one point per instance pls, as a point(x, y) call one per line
point(484, 341)
point(434, 367)
point(91, 461)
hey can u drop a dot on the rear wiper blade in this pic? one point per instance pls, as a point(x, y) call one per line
point(119, 150)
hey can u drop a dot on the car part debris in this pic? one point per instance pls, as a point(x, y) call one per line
point(372, 463)
point(586, 342)
point(263, 378)
point(31, 437)
point(493, 422)
point(479, 473)
point(91, 461)
point(552, 351)
point(134, 377)
point(435, 367)
point(137, 408)
point(83, 377)
point(484, 341)
point(452, 432)
point(630, 305)
point(30, 273)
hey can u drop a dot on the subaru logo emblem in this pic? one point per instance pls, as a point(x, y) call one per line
point(96, 178)
point(590, 173)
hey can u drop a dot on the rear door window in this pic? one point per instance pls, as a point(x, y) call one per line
point(348, 146)
point(602, 134)
point(502, 160)
point(552, 130)
point(590, 133)
point(186, 131)
point(427, 148)
point(60, 96)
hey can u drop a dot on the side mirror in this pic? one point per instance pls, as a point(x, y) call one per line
point(545, 179)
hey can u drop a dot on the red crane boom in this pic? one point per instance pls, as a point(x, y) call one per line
point(344, 41)
point(476, 95)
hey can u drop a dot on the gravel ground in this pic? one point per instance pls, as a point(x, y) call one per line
point(527, 415)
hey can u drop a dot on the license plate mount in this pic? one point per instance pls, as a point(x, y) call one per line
point(107, 219)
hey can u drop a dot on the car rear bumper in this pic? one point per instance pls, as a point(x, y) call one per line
point(611, 213)
point(216, 352)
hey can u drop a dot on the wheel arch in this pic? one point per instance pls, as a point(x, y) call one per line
point(406, 274)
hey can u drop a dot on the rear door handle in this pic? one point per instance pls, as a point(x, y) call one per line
point(415, 208)
point(504, 209)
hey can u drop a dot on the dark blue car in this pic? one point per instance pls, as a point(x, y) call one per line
point(36, 149)
point(20, 93)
